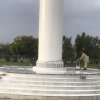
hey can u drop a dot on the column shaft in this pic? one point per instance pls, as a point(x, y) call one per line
point(50, 30)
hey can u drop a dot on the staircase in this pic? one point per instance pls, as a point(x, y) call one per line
point(17, 86)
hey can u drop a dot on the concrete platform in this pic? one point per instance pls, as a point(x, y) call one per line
point(23, 84)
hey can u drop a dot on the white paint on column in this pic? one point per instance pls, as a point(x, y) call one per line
point(51, 30)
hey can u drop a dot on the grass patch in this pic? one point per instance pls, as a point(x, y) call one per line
point(4, 63)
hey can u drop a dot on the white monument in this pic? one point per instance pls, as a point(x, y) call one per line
point(20, 83)
point(51, 29)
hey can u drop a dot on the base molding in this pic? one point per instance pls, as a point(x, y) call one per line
point(50, 67)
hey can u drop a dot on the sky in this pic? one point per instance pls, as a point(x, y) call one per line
point(21, 17)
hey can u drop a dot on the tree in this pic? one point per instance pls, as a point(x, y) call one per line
point(5, 51)
point(25, 47)
point(68, 50)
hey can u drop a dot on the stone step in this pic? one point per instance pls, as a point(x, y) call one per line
point(29, 70)
point(50, 87)
point(32, 79)
point(55, 79)
point(47, 91)
point(48, 81)
point(52, 83)
point(53, 76)
point(21, 79)
point(23, 96)
point(41, 76)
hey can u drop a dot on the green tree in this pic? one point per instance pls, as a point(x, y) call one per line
point(5, 51)
point(25, 47)
point(68, 50)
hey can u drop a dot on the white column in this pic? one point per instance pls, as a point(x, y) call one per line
point(51, 30)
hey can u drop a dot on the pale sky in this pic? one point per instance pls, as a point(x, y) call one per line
point(21, 17)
